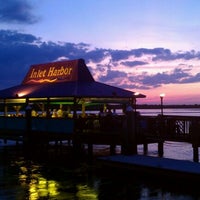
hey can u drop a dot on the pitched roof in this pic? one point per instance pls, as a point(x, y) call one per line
point(63, 79)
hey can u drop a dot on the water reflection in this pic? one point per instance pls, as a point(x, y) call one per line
point(36, 185)
point(22, 178)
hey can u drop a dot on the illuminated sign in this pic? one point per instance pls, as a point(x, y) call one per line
point(63, 71)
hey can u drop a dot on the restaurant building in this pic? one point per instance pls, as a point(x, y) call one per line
point(58, 93)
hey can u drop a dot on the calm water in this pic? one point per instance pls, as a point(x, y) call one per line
point(172, 111)
point(25, 176)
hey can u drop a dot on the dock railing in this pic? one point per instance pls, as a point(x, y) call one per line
point(95, 130)
point(178, 128)
point(15, 128)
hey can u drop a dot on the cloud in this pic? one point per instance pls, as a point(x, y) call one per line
point(112, 75)
point(176, 76)
point(133, 63)
point(167, 55)
point(17, 12)
point(134, 69)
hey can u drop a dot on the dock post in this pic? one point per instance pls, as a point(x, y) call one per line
point(145, 147)
point(160, 148)
point(27, 135)
point(195, 129)
point(129, 146)
point(160, 139)
point(195, 154)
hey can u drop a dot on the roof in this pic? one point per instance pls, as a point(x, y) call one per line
point(63, 79)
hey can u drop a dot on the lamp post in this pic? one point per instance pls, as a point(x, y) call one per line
point(161, 102)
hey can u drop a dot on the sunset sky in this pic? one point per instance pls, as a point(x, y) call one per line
point(147, 46)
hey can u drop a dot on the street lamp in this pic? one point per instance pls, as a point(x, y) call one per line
point(161, 102)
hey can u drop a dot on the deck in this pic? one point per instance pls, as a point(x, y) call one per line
point(153, 166)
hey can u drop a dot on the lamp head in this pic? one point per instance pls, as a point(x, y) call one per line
point(162, 95)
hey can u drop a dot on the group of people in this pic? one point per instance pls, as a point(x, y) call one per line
point(108, 112)
point(55, 113)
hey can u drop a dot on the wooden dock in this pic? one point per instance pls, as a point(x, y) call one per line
point(156, 167)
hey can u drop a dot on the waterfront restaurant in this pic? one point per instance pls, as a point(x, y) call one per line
point(57, 94)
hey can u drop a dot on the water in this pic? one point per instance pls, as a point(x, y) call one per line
point(171, 111)
point(61, 177)
point(23, 177)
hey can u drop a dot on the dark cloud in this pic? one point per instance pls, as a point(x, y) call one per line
point(17, 11)
point(144, 51)
point(96, 55)
point(16, 38)
point(135, 86)
point(119, 54)
point(167, 55)
point(156, 53)
point(177, 76)
point(133, 63)
point(111, 75)
point(192, 79)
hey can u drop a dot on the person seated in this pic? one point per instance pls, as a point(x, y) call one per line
point(60, 113)
point(54, 113)
point(34, 113)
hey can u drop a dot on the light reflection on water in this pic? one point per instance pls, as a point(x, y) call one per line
point(22, 178)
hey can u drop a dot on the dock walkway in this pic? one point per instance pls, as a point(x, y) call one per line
point(156, 166)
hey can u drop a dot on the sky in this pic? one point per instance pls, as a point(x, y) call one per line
point(146, 46)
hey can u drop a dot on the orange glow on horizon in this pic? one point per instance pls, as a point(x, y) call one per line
point(179, 94)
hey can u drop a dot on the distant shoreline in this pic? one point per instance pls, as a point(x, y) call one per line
point(157, 106)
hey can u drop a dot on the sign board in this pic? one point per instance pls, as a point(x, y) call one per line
point(63, 71)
